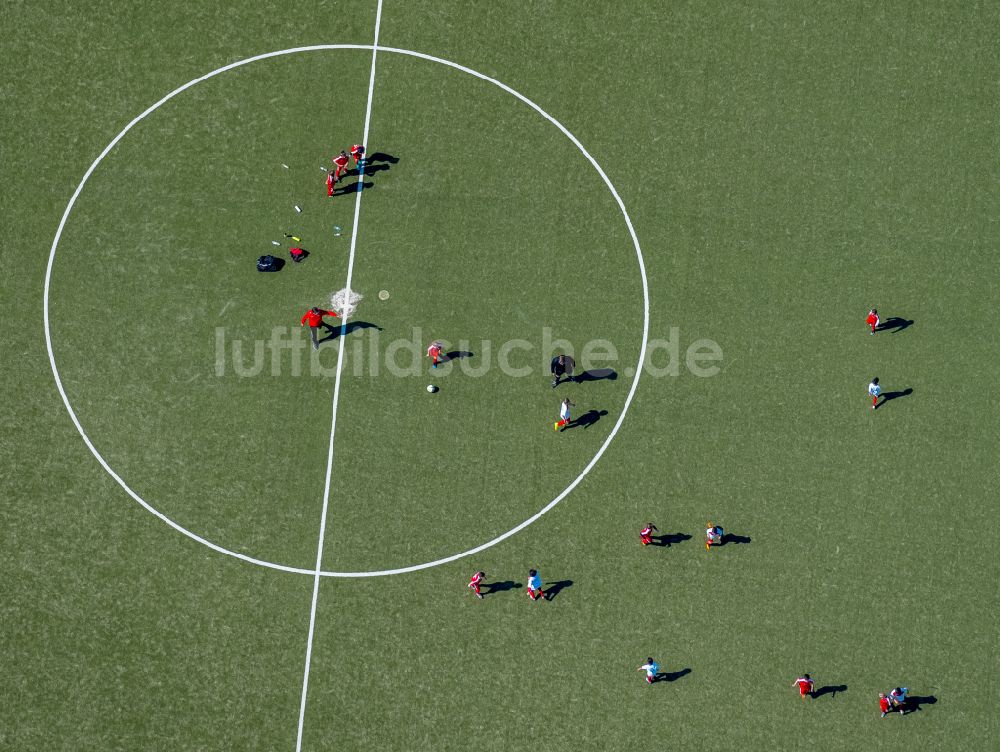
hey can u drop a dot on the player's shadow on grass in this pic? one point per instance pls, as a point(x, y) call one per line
point(343, 190)
point(351, 327)
point(914, 703)
point(596, 374)
point(377, 162)
point(894, 324)
point(669, 539)
point(887, 396)
point(829, 689)
point(457, 355)
point(553, 589)
point(670, 676)
point(586, 420)
point(500, 587)
point(731, 538)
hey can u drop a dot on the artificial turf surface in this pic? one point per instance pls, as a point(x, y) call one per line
point(786, 167)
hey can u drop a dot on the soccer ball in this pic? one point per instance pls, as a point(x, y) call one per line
point(431, 388)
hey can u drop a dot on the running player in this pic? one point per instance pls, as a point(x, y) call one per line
point(872, 320)
point(535, 591)
point(646, 534)
point(884, 704)
point(652, 668)
point(314, 318)
point(805, 685)
point(474, 583)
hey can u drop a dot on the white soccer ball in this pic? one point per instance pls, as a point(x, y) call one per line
point(431, 388)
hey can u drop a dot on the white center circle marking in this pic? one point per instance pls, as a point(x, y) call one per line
point(300, 570)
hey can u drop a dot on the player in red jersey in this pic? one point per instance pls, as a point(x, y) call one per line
point(331, 181)
point(434, 352)
point(314, 318)
point(872, 320)
point(357, 154)
point(477, 578)
point(883, 704)
point(805, 685)
point(340, 161)
point(646, 534)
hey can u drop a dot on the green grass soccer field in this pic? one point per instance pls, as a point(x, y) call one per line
point(218, 537)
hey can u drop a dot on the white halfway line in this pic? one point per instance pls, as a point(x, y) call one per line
point(336, 397)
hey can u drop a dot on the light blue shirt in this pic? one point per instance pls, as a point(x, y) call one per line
point(535, 583)
point(652, 669)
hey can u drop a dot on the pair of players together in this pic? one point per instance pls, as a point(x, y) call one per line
point(340, 163)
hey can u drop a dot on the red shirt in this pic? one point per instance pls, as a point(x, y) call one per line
point(341, 160)
point(476, 579)
point(329, 178)
point(805, 685)
point(357, 149)
point(646, 531)
point(315, 319)
point(884, 705)
point(872, 319)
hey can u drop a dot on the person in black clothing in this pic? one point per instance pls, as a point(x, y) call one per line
point(562, 365)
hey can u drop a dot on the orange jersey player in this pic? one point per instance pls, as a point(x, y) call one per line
point(357, 154)
point(340, 161)
point(646, 534)
point(805, 685)
point(872, 320)
point(474, 583)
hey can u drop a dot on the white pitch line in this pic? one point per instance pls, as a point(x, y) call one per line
point(307, 570)
point(318, 574)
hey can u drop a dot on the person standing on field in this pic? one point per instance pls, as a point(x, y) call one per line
point(872, 320)
point(474, 583)
point(340, 162)
point(805, 685)
point(314, 318)
point(535, 591)
point(646, 534)
point(874, 390)
point(652, 668)
point(898, 698)
point(564, 416)
point(562, 365)
point(713, 535)
point(331, 182)
point(358, 155)
point(434, 352)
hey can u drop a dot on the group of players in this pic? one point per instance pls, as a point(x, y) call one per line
point(340, 163)
point(563, 365)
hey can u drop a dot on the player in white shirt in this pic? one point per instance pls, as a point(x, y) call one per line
point(564, 416)
point(652, 668)
point(713, 535)
point(535, 591)
point(874, 390)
